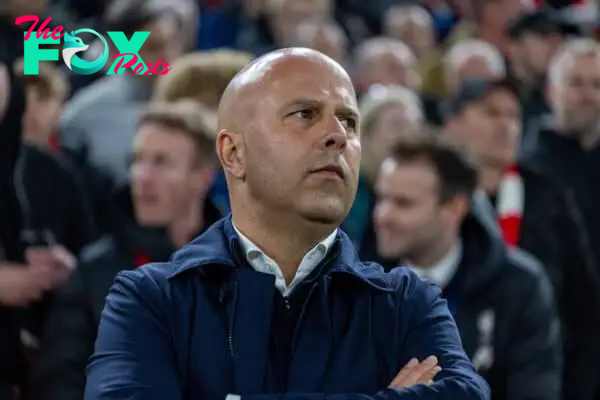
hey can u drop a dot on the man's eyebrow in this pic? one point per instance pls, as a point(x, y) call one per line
point(303, 102)
point(342, 109)
point(348, 111)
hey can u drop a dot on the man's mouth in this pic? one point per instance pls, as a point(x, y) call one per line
point(331, 169)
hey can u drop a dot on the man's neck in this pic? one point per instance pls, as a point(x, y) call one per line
point(286, 240)
point(490, 178)
point(435, 253)
point(184, 228)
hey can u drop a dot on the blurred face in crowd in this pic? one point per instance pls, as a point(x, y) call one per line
point(326, 38)
point(409, 218)
point(290, 14)
point(41, 116)
point(388, 69)
point(298, 155)
point(575, 94)
point(393, 121)
point(165, 42)
point(490, 127)
point(413, 26)
point(532, 53)
point(475, 66)
point(167, 176)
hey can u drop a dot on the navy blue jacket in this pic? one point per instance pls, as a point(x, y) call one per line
point(198, 328)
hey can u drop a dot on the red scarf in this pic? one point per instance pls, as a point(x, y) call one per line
point(140, 259)
point(510, 205)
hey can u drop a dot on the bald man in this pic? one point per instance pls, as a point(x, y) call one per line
point(272, 302)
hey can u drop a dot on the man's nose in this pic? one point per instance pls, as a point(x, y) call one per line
point(141, 173)
point(336, 134)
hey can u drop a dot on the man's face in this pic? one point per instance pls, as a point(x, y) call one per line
point(388, 69)
point(166, 175)
point(475, 66)
point(418, 34)
point(408, 216)
point(327, 41)
point(394, 121)
point(165, 42)
point(576, 95)
point(537, 50)
point(491, 127)
point(294, 13)
point(41, 116)
point(307, 120)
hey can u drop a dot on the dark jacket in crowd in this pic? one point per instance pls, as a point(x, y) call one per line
point(71, 331)
point(578, 172)
point(206, 324)
point(504, 307)
point(12, 361)
point(53, 201)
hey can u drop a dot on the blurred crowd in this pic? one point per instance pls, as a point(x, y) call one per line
point(480, 126)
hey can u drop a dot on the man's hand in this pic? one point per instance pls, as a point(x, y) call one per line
point(20, 285)
point(416, 373)
point(54, 261)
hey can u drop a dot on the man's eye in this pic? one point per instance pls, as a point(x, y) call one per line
point(349, 123)
point(307, 114)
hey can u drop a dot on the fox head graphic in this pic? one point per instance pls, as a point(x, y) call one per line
point(72, 45)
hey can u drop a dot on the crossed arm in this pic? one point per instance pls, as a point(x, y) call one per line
point(124, 368)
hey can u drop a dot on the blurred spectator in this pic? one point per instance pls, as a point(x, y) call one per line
point(534, 39)
point(471, 58)
point(567, 147)
point(388, 113)
point(203, 76)
point(98, 124)
point(172, 168)
point(20, 285)
point(413, 25)
point(279, 25)
point(39, 206)
point(324, 36)
point(488, 20)
point(534, 211)
point(46, 93)
point(425, 217)
point(385, 61)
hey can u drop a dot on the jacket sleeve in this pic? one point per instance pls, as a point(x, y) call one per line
point(581, 285)
point(134, 357)
point(534, 359)
point(68, 343)
point(433, 332)
point(10, 127)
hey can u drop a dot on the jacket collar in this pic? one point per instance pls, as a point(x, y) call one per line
point(218, 246)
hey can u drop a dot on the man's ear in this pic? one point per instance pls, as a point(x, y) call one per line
point(230, 150)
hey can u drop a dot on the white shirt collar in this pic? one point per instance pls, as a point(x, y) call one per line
point(265, 264)
point(444, 270)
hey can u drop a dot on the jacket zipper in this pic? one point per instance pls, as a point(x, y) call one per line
point(302, 312)
point(232, 319)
